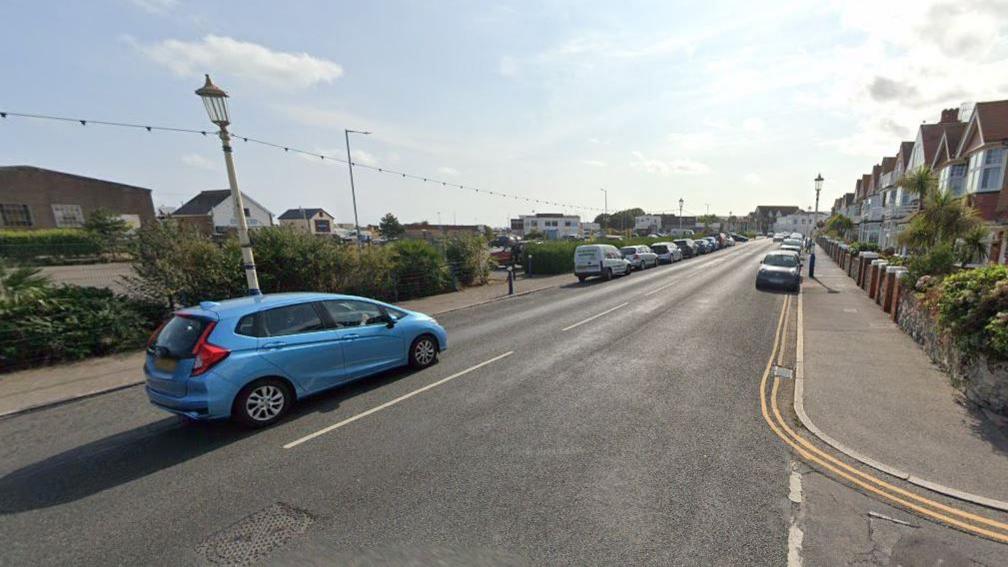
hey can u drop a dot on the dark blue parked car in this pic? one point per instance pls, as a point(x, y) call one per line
point(251, 358)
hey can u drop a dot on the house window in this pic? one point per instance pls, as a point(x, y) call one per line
point(15, 214)
point(986, 171)
point(322, 225)
point(68, 216)
point(247, 213)
point(953, 179)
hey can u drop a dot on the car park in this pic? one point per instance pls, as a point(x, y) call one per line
point(688, 246)
point(640, 256)
point(667, 252)
point(599, 260)
point(779, 269)
point(251, 358)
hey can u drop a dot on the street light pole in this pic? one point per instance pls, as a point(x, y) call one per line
point(215, 101)
point(680, 212)
point(815, 223)
point(353, 191)
point(605, 209)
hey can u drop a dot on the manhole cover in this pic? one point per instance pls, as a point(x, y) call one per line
point(255, 535)
point(783, 373)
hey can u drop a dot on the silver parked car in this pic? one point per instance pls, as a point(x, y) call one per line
point(640, 256)
point(667, 252)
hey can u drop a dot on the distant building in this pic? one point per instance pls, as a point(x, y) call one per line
point(33, 198)
point(765, 216)
point(552, 225)
point(315, 221)
point(213, 212)
point(589, 229)
point(802, 222)
point(647, 224)
point(427, 231)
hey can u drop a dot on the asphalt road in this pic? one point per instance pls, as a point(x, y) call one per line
point(633, 438)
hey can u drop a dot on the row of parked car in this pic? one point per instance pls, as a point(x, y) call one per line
point(606, 261)
point(782, 268)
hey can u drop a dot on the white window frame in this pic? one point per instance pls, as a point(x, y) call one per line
point(60, 212)
point(978, 166)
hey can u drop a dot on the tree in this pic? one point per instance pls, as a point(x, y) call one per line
point(620, 220)
point(22, 285)
point(972, 246)
point(534, 235)
point(921, 182)
point(839, 225)
point(107, 228)
point(390, 228)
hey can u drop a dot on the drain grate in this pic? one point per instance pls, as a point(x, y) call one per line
point(255, 535)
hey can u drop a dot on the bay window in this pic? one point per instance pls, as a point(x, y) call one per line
point(986, 170)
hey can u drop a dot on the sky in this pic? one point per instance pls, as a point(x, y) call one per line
point(727, 105)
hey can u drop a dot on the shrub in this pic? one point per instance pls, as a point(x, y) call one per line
point(469, 258)
point(937, 262)
point(71, 323)
point(973, 307)
point(176, 265)
point(27, 246)
point(418, 269)
point(858, 247)
point(552, 257)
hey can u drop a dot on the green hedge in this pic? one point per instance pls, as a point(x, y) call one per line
point(27, 245)
point(71, 323)
point(176, 266)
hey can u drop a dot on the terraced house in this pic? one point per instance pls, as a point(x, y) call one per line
point(968, 157)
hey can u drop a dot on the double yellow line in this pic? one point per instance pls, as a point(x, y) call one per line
point(953, 517)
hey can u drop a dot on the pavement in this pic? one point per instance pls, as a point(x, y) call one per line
point(547, 434)
point(874, 393)
point(35, 388)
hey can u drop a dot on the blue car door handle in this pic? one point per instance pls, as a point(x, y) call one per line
point(273, 345)
point(350, 337)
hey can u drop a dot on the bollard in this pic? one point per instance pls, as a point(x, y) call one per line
point(811, 266)
point(510, 271)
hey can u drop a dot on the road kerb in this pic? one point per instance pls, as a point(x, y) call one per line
point(799, 408)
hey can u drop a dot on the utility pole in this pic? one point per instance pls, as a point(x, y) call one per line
point(353, 192)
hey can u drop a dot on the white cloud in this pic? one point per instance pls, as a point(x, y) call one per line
point(666, 167)
point(199, 162)
point(594, 162)
point(449, 171)
point(157, 7)
point(220, 54)
point(752, 178)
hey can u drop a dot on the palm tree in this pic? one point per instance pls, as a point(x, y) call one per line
point(972, 246)
point(943, 219)
point(921, 182)
point(23, 284)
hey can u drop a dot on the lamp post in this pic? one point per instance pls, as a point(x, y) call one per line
point(815, 223)
point(605, 210)
point(353, 192)
point(215, 101)
point(680, 213)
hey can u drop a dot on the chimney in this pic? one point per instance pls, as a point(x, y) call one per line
point(949, 115)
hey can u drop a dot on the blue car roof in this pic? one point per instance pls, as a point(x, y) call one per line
point(251, 304)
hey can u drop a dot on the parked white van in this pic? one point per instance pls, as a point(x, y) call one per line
point(601, 260)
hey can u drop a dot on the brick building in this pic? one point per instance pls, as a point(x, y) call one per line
point(34, 198)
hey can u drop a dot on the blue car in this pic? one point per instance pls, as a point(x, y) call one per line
point(251, 358)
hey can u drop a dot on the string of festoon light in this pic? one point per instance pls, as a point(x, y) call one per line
point(286, 148)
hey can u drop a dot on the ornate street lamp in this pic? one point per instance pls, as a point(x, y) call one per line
point(215, 101)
